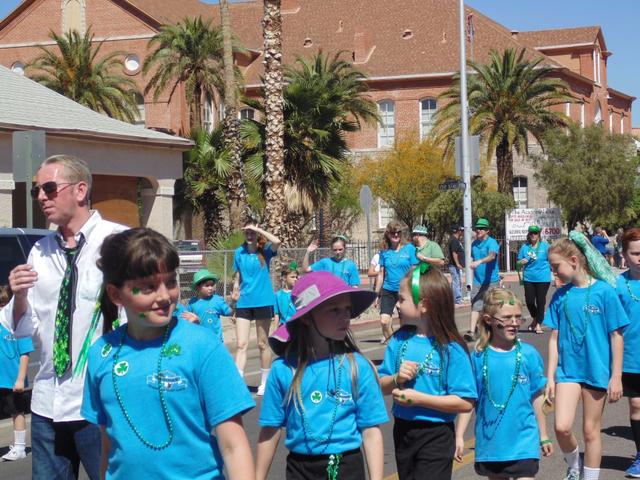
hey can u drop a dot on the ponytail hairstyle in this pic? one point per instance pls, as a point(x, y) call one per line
point(260, 243)
point(567, 248)
point(494, 300)
point(129, 255)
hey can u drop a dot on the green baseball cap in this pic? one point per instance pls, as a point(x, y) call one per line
point(534, 229)
point(482, 223)
point(203, 275)
point(420, 230)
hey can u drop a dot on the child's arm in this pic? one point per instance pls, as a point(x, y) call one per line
point(442, 403)
point(407, 372)
point(374, 451)
point(552, 365)
point(18, 386)
point(235, 449)
point(615, 383)
point(461, 427)
point(545, 443)
point(267, 444)
point(105, 443)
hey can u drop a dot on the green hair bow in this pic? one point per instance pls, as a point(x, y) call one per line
point(419, 270)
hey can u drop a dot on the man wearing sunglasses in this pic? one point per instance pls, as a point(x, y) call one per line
point(55, 297)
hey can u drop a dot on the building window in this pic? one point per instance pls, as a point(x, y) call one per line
point(582, 115)
point(596, 66)
point(132, 64)
point(610, 122)
point(428, 108)
point(247, 114)
point(520, 192)
point(387, 128)
point(621, 123)
point(567, 109)
point(207, 124)
point(141, 115)
point(18, 67)
point(597, 118)
point(385, 213)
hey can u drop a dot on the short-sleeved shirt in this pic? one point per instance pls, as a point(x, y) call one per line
point(629, 294)
point(600, 242)
point(514, 434)
point(430, 250)
point(202, 388)
point(346, 269)
point(11, 349)
point(396, 264)
point(284, 307)
point(454, 245)
point(584, 347)
point(486, 272)
point(537, 268)
point(447, 372)
point(209, 311)
point(324, 397)
point(255, 284)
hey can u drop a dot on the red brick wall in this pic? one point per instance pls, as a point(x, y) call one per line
point(34, 23)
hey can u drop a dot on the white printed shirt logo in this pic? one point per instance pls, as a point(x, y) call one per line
point(592, 309)
point(523, 379)
point(341, 396)
point(170, 381)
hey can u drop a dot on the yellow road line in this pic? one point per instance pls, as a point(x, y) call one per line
point(466, 459)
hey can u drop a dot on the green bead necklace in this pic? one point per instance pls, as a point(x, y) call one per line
point(633, 297)
point(163, 402)
point(425, 365)
point(501, 407)
point(579, 338)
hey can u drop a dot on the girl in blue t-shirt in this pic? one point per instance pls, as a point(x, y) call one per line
point(585, 348)
point(427, 370)
point(510, 427)
point(345, 268)
point(284, 307)
point(322, 390)
point(164, 391)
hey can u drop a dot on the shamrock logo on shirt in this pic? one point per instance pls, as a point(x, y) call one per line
point(316, 396)
point(106, 350)
point(172, 350)
point(121, 368)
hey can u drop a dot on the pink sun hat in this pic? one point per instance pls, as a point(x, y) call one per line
point(313, 289)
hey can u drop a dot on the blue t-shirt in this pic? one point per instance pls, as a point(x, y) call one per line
point(284, 306)
point(322, 400)
point(584, 347)
point(11, 349)
point(537, 268)
point(346, 269)
point(209, 311)
point(255, 283)
point(514, 434)
point(486, 272)
point(396, 264)
point(600, 242)
point(202, 388)
point(631, 361)
point(448, 372)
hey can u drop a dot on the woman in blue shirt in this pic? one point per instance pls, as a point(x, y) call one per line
point(337, 264)
point(533, 259)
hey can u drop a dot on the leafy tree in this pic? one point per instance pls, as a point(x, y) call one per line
point(188, 53)
point(590, 174)
point(407, 177)
point(73, 70)
point(509, 99)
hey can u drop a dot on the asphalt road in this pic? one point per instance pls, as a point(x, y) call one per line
point(617, 444)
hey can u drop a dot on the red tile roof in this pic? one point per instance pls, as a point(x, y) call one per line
point(560, 36)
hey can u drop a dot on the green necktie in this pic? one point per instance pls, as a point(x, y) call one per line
point(61, 350)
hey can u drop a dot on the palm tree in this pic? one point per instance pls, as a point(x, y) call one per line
point(74, 71)
point(274, 130)
point(509, 98)
point(237, 190)
point(188, 53)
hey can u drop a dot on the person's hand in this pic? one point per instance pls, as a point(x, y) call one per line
point(190, 317)
point(313, 246)
point(406, 397)
point(459, 453)
point(408, 371)
point(18, 386)
point(615, 389)
point(524, 261)
point(550, 391)
point(251, 228)
point(376, 302)
point(546, 446)
point(235, 294)
point(474, 265)
point(21, 279)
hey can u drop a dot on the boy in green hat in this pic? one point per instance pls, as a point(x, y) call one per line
point(426, 250)
point(206, 304)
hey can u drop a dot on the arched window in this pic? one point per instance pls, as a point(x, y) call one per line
point(520, 192)
point(18, 67)
point(207, 123)
point(428, 108)
point(582, 115)
point(141, 115)
point(597, 118)
point(387, 128)
point(610, 122)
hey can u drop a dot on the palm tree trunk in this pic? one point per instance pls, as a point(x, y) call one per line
point(196, 114)
point(504, 164)
point(212, 217)
point(274, 131)
point(238, 208)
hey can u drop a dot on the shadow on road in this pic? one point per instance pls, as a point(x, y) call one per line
point(618, 431)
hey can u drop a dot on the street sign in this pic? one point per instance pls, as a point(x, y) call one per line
point(366, 199)
point(548, 219)
point(474, 155)
point(451, 184)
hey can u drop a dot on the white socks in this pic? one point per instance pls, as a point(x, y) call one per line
point(591, 473)
point(265, 373)
point(19, 439)
point(241, 372)
point(573, 459)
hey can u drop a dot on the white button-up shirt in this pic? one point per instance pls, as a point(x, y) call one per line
point(60, 398)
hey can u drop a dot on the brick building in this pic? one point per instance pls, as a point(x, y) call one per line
point(408, 49)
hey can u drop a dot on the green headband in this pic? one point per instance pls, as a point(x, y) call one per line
point(293, 266)
point(420, 269)
point(340, 237)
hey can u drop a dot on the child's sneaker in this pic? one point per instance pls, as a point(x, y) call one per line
point(634, 469)
point(260, 391)
point(14, 454)
point(572, 474)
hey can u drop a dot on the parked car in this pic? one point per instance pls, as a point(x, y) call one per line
point(15, 244)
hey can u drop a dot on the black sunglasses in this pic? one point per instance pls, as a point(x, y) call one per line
point(49, 188)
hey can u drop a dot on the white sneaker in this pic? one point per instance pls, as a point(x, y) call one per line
point(14, 454)
point(260, 391)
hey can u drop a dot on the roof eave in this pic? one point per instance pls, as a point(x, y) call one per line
point(620, 94)
point(567, 45)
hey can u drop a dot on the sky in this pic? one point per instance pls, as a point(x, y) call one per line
point(618, 20)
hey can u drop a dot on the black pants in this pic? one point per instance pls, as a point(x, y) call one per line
point(424, 449)
point(314, 467)
point(535, 294)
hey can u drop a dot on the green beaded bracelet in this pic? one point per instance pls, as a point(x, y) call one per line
point(545, 442)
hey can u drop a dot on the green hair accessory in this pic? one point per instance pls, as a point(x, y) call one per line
point(596, 261)
point(420, 269)
point(340, 237)
point(293, 266)
point(511, 301)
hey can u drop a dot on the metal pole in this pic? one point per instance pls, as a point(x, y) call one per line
point(368, 215)
point(466, 164)
point(29, 182)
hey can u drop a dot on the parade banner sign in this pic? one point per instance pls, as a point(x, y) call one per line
point(548, 219)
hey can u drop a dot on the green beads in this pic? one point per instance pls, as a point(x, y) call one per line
point(425, 364)
point(501, 407)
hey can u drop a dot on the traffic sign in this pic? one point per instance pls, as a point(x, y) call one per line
point(451, 184)
point(366, 199)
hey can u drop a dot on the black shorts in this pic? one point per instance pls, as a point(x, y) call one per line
point(527, 467)
point(588, 386)
point(313, 467)
point(255, 313)
point(631, 384)
point(12, 403)
point(388, 300)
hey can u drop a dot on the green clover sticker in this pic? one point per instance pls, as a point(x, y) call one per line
point(172, 350)
point(316, 396)
point(106, 350)
point(121, 368)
